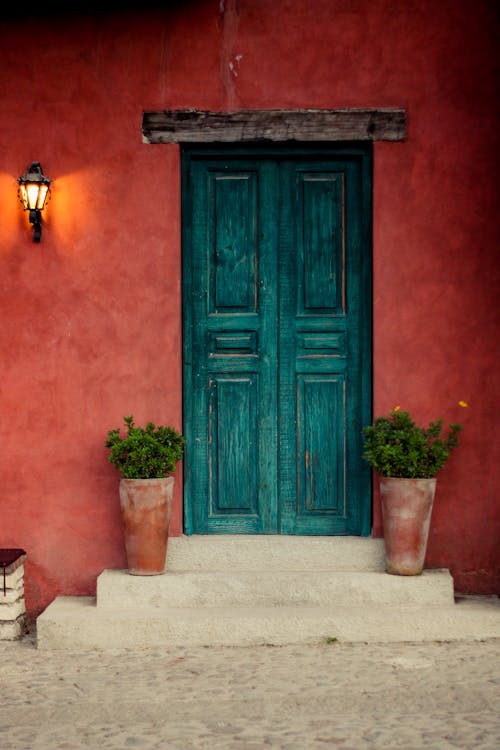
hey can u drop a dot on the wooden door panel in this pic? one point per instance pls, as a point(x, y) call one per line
point(320, 247)
point(232, 240)
point(232, 431)
point(321, 445)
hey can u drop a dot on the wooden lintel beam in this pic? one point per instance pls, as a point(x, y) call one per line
point(197, 126)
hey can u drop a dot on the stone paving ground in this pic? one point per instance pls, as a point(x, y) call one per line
point(436, 696)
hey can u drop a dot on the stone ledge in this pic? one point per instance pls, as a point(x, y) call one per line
point(13, 581)
point(12, 605)
point(12, 610)
point(12, 630)
point(11, 595)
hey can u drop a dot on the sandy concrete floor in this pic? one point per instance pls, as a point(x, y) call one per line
point(329, 695)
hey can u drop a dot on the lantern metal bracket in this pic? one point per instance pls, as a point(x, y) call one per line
point(35, 218)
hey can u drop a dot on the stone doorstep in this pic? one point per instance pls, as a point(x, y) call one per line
point(13, 630)
point(117, 588)
point(231, 552)
point(134, 611)
point(12, 611)
point(75, 623)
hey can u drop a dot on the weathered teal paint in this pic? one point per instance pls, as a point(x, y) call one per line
point(277, 339)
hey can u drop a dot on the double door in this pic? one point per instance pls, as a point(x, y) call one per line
point(277, 339)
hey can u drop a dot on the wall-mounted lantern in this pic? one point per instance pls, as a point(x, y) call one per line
point(33, 193)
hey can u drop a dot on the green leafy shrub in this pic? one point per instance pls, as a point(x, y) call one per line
point(147, 453)
point(396, 447)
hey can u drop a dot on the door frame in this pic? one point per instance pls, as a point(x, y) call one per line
point(334, 150)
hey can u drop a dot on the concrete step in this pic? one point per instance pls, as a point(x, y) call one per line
point(238, 552)
point(242, 590)
point(76, 624)
point(119, 589)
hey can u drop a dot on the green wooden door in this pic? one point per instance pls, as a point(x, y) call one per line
point(277, 339)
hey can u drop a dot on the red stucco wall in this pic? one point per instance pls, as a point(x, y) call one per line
point(91, 326)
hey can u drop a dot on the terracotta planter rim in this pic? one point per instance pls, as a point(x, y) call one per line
point(150, 479)
point(409, 479)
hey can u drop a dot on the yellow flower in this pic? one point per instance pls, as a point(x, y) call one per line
point(397, 408)
point(464, 404)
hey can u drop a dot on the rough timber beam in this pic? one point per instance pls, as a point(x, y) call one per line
point(196, 126)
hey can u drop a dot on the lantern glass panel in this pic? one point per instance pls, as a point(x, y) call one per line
point(32, 190)
point(42, 194)
point(24, 195)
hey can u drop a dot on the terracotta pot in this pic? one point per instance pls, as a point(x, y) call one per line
point(406, 512)
point(146, 506)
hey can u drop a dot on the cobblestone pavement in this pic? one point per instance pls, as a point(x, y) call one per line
point(329, 695)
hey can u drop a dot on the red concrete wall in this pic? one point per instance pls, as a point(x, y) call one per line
point(91, 317)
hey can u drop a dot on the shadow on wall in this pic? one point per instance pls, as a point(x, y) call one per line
point(88, 8)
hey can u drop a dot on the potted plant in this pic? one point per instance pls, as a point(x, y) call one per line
point(407, 459)
point(147, 459)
